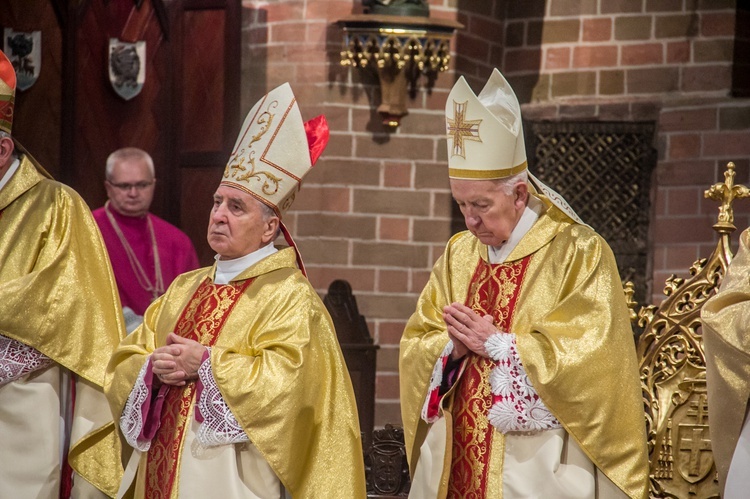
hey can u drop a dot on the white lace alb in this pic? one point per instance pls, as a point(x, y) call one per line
point(131, 420)
point(18, 360)
point(517, 405)
point(219, 426)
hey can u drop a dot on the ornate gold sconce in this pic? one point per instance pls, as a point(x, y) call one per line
point(399, 49)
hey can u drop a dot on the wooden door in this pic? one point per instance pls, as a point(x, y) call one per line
point(186, 114)
point(37, 114)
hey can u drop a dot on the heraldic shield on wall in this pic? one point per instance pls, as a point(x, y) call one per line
point(24, 50)
point(127, 67)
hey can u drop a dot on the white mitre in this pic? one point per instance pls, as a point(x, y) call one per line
point(485, 136)
point(485, 132)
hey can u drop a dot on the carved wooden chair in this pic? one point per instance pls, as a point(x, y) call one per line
point(673, 366)
point(386, 468)
point(358, 349)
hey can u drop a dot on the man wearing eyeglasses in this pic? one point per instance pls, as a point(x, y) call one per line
point(147, 253)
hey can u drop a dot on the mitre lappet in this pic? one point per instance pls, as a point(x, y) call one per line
point(274, 151)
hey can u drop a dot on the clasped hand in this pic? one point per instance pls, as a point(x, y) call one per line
point(178, 361)
point(468, 330)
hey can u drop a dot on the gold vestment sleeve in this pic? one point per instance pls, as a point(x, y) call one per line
point(725, 318)
point(58, 295)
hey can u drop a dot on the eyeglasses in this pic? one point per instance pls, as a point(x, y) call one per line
point(139, 186)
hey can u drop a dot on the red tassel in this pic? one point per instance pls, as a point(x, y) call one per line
point(290, 242)
point(317, 136)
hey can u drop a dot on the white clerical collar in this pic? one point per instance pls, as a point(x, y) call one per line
point(532, 212)
point(9, 173)
point(226, 270)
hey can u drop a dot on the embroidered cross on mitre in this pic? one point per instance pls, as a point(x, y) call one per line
point(460, 129)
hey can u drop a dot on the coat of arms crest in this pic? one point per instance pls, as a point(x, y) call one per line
point(127, 67)
point(24, 50)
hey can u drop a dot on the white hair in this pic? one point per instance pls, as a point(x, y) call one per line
point(128, 153)
point(269, 212)
point(509, 183)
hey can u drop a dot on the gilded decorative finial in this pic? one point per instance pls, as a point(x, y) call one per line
point(726, 193)
point(629, 289)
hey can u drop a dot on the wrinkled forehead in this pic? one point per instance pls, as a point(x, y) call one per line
point(227, 192)
point(473, 190)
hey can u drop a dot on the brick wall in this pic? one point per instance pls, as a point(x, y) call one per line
point(668, 61)
point(376, 209)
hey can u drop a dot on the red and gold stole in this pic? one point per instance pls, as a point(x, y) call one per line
point(201, 320)
point(493, 290)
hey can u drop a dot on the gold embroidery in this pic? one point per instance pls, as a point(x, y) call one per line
point(494, 290)
point(202, 320)
point(497, 296)
point(472, 436)
point(206, 312)
point(237, 162)
point(462, 129)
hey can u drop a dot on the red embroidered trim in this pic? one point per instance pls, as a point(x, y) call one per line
point(433, 405)
point(201, 320)
point(494, 290)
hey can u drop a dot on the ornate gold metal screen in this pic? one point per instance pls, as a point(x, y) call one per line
point(673, 367)
point(603, 170)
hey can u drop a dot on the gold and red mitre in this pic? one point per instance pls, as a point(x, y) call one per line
point(275, 149)
point(7, 92)
point(485, 132)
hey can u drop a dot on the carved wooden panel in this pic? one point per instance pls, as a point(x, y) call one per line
point(673, 367)
point(37, 119)
point(186, 114)
point(208, 103)
point(358, 349)
point(386, 467)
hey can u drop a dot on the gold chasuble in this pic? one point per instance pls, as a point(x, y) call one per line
point(726, 318)
point(57, 295)
point(277, 363)
point(560, 294)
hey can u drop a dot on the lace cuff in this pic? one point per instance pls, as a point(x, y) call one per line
point(131, 420)
point(516, 404)
point(431, 407)
point(218, 424)
point(18, 360)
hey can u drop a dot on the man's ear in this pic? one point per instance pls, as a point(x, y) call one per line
point(521, 194)
point(6, 151)
point(272, 228)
